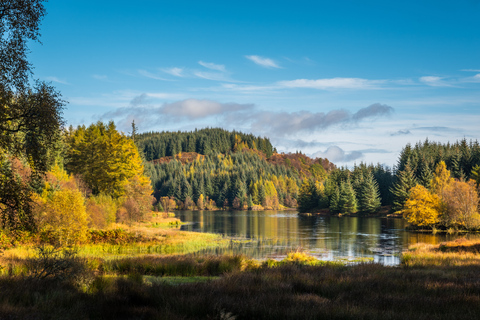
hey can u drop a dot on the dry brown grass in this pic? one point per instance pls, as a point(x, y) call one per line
point(459, 253)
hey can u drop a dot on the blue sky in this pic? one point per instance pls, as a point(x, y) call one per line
point(348, 80)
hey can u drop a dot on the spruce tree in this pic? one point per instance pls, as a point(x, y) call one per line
point(348, 200)
point(401, 188)
point(335, 199)
point(370, 195)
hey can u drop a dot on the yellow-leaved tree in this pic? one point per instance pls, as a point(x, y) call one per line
point(422, 207)
point(461, 205)
point(104, 157)
point(137, 199)
point(66, 217)
point(441, 178)
point(60, 209)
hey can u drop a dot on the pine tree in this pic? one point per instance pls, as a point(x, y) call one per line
point(335, 200)
point(401, 188)
point(348, 200)
point(370, 195)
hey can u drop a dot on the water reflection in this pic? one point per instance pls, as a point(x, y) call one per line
point(328, 238)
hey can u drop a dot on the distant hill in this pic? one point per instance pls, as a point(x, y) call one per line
point(225, 168)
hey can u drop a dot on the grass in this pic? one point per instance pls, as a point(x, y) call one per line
point(289, 290)
point(458, 253)
point(433, 282)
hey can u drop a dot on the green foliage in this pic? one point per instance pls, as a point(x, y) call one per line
point(405, 180)
point(308, 198)
point(369, 195)
point(209, 141)
point(347, 202)
point(16, 211)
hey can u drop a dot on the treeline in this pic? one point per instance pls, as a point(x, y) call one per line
point(413, 183)
point(416, 165)
point(363, 189)
point(208, 141)
point(240, 180)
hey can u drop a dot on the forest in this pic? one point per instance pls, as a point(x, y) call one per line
point(235, 173)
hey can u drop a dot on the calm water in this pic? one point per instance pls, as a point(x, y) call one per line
point(277, 232)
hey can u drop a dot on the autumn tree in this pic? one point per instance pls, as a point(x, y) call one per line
point(30, 118)
point(168, 204)
point(60, 208)
point(104, 157)
point(441, 178)
point(461, 204)
point(422, 207)
point(137, 199)
point(201, 202)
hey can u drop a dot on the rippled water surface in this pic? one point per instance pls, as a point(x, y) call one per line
point(274, 233)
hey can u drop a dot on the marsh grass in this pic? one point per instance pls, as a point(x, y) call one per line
point(458, 253)
point(288, 291)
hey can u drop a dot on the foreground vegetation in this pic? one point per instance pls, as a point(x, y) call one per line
point(433, 282)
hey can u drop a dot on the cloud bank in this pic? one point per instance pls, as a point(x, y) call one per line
point(230, 114)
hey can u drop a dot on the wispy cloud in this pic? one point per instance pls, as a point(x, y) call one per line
point(471, 70)
point(434, 81)
point(212, 66)
point(57, 80)
point(100, 77)
point(400, 133)
point(215, 76)
point(332, 83)
point(195, 109)
point(291, 123)
point(177, 72)
point(264, 62)
point(150, 75)
point(144, 112)
point(474, 79)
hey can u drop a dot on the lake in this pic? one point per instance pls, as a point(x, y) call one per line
point(275, 233)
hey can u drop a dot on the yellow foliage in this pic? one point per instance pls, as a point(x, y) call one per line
point(441, 178)
point(65, 216)
point(461, 204)
point(422, 208)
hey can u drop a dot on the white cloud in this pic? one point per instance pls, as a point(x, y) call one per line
point(195, 109)
point(332, 83)
point(213, 66)
point(150, 75)
point(177, 72)
point(215, 76)
point(337, 154)
point(434, 81)
point(264, 62)
point(57, 80)
point(290, 123)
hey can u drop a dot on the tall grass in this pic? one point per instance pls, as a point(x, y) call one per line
point(458, 253)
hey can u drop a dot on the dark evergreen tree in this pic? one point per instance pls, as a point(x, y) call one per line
point(347, 201)
point(369, 197)
point(404, 182)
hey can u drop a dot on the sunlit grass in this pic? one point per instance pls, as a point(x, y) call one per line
point(459, 253)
